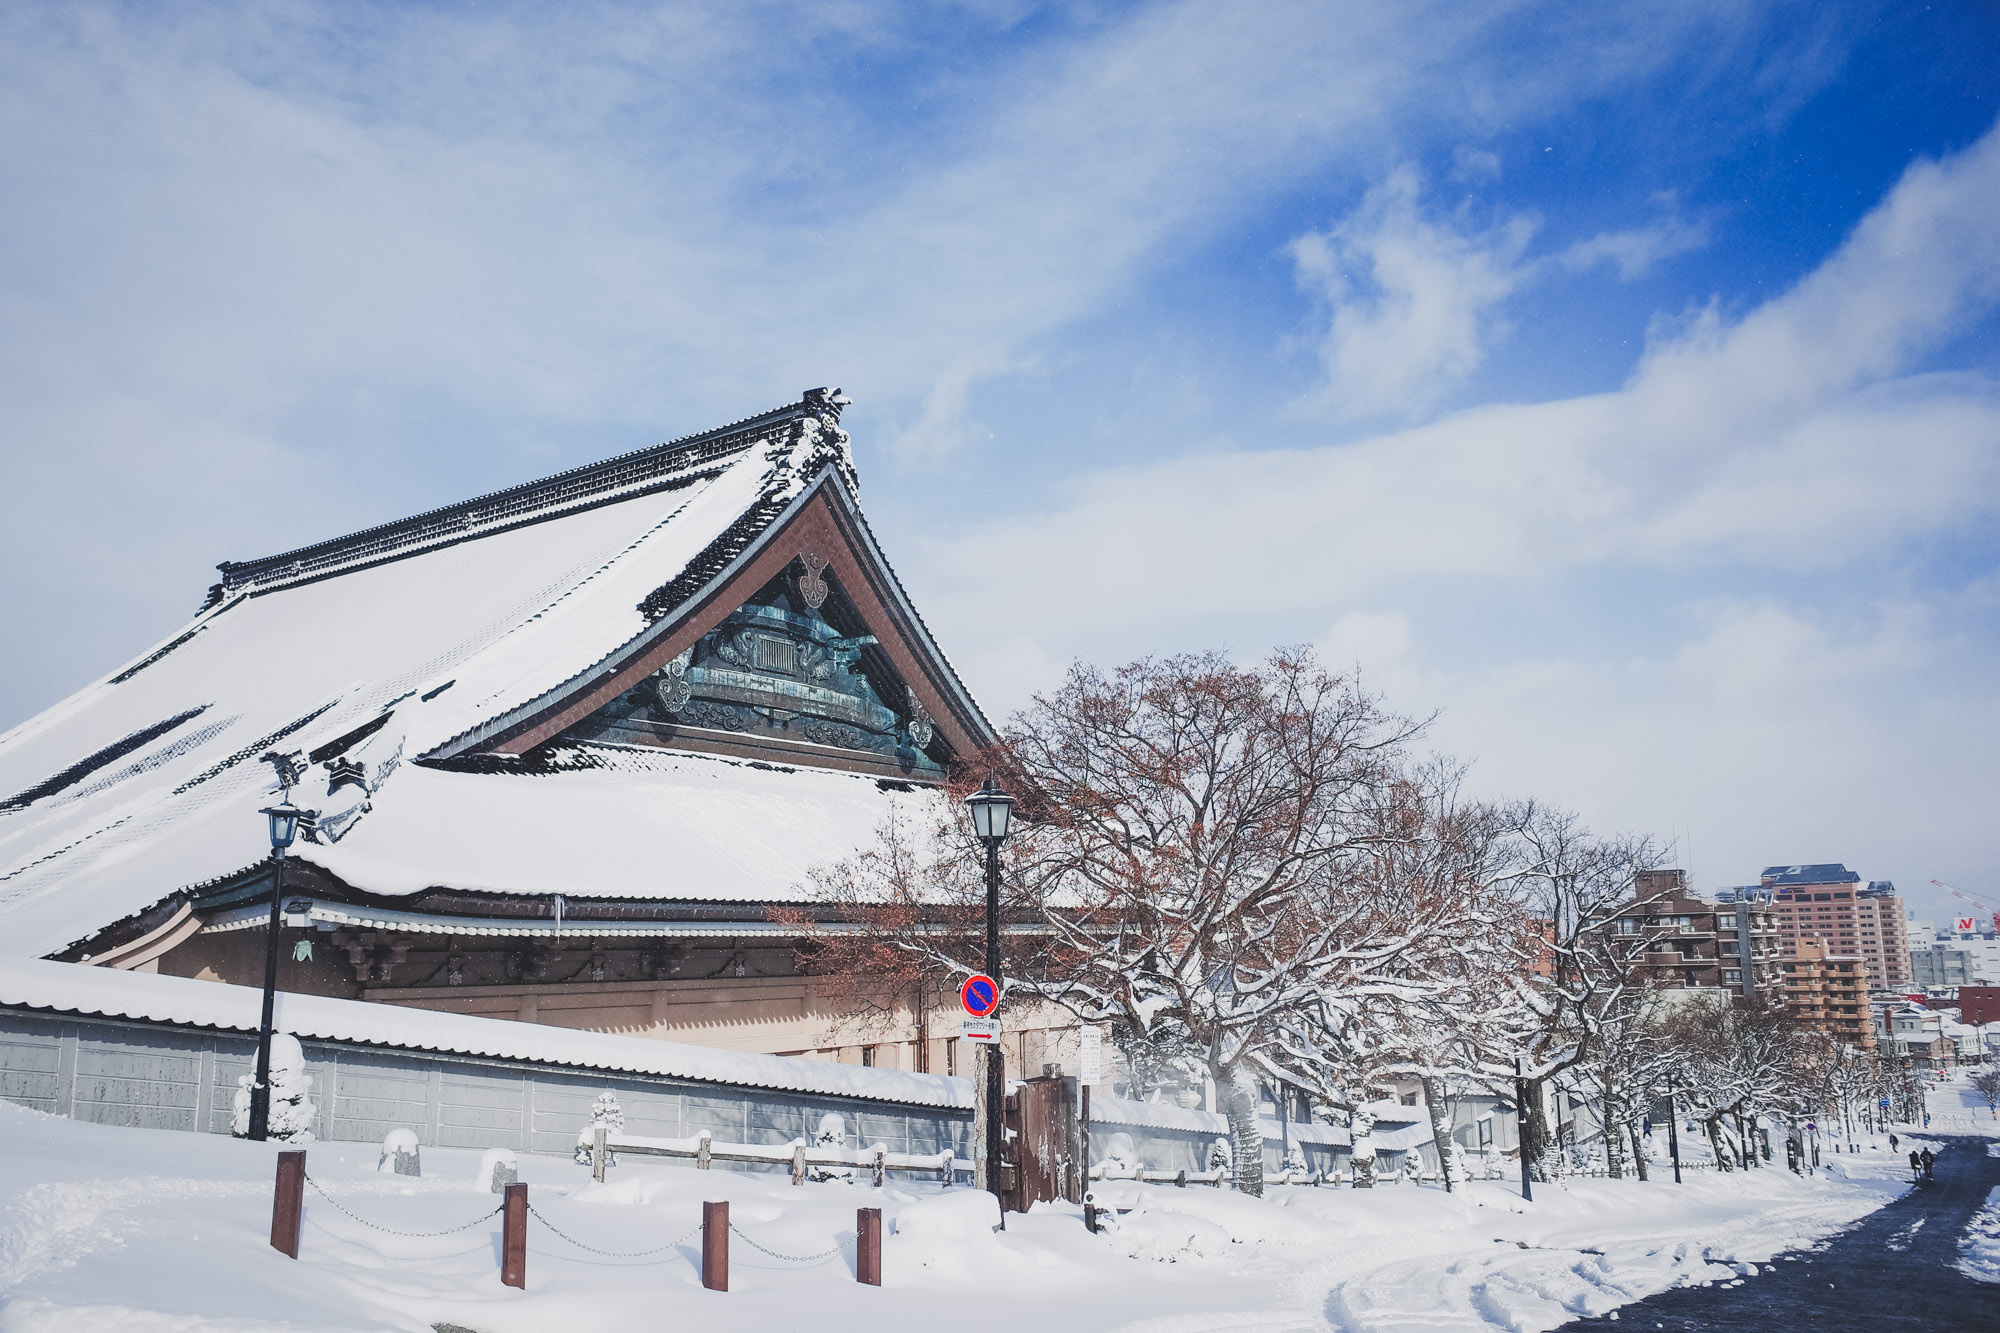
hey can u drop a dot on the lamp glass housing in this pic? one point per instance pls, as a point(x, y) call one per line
point(992, 812)
point(284, 819)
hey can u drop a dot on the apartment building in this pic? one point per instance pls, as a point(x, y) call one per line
point(1828, 991)
point(1683, 942)
point(1827, 901)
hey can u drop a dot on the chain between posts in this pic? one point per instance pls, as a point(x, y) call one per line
point(411, 1235)
point(614, 1254)
point(788, 1258)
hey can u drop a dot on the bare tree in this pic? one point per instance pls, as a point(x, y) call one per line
point(1571, 883)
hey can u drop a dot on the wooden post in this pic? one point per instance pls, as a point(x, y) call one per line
point(868, 1246)
point(701, 1152)
point(799, 1162)
point(599, 1151)
point(286, 1201)
point(881, 1165)
point(1083, 1121)
point(514, 1236)
point(715, 1244)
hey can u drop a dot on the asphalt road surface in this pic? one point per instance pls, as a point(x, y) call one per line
point(1892, 1271)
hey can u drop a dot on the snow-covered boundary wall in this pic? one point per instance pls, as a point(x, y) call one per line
point(165, 1052)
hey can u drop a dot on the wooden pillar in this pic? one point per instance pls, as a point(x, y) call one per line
point(599, 1152)
point(715, 1245)
point(286, 1202)
point(868, 1246)
point(514, 1236)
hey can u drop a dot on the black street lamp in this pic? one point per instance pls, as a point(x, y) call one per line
point(284, 817)
point(992, 813)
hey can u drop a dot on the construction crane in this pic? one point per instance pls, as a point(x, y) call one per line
point(1966, 897)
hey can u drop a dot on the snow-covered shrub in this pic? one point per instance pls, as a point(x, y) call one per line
point(1295, 1160)
point(1221, 1154)
point(400, 1154)
point(604, 1111)
point(1121, 1155)
point(832, 1133)
point(292, 1110)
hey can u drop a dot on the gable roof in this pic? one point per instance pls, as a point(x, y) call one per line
point(437, 637)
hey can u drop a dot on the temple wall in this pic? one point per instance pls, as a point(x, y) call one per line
point(771, 1009)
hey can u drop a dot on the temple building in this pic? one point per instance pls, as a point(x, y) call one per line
point(568, 746)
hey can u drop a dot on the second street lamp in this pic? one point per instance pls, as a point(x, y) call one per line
point(992, 813)
point(284, 817)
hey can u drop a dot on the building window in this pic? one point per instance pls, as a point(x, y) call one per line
point(1732, 976)
point(1727, 921)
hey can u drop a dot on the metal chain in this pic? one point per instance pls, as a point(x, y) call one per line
point(788, 1258)
point(414, 1235)
point(613, 1254)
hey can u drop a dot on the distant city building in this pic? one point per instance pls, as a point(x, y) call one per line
point(1828, 992)
point(1979, 1004)
point(1828, 901)
point(1940, 963)
point(1683, 942)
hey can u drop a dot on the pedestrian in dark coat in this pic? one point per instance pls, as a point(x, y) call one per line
point(1892, 1143)
point(1916, 1164)
point(1929, 1162)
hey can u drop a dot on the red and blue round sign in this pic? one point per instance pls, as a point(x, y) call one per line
point(980, 995)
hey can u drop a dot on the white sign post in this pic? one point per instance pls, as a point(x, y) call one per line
point(1090, 1055)
point(981, 1029)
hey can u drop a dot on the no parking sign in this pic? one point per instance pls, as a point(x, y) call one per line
point(980, 996)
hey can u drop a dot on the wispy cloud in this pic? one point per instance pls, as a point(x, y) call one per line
point(1413, 301)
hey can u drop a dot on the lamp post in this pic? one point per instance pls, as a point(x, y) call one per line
point(992, 813)
point(284, 817)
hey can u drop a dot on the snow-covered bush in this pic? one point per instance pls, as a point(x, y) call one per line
point(292, 1110)
point(604, 1111)
point(1220, 1154)
point(832, 1133)
point(1120, 1154)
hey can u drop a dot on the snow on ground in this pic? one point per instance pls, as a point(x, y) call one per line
point(142, 1231)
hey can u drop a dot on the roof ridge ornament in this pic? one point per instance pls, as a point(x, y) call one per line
point(813, 443)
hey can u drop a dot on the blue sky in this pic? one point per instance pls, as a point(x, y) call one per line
point(1618, 381)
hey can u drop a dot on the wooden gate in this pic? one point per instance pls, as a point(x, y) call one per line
point(1047, 1150)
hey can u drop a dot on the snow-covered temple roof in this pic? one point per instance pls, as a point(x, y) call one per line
point(409, 668)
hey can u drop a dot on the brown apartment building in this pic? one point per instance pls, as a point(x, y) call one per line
point(1828, 991)
point(1829, 902)
point(1685, 942)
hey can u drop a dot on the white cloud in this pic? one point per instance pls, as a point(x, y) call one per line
point(1412, 300)
point(1634, 252)
point(1789, 439)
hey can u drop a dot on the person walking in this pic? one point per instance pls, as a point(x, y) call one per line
point(1929, 1162)
point(1916, 1164)
point(1892, 1143)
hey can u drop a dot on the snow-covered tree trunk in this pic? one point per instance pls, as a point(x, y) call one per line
point(1237, 1093)
point(1638, 1147)
point(1535, 1131)
point(1714, 1126)
point(1361, 1138)
point(1614, 1143)
point(1440, 1109)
